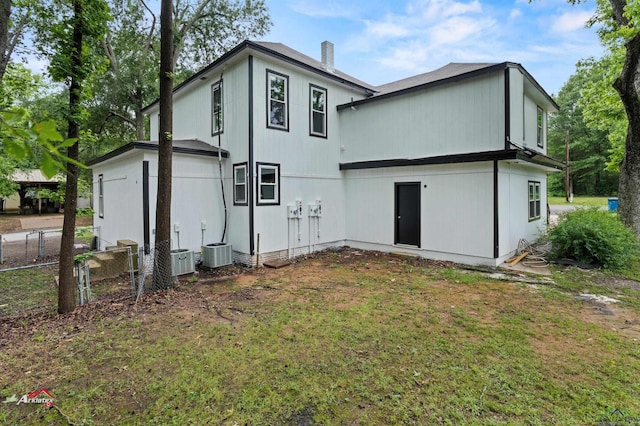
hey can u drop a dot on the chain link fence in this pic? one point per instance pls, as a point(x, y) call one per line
point(43, 246)
point(155, 271)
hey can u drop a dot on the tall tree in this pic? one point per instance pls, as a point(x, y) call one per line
point(15, 18)
point(203, 30)
point(620, 28)
point(67, 43)
point(162, 268)
point(589, 146)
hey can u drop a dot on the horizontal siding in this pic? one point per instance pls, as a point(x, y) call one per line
point(455, 118)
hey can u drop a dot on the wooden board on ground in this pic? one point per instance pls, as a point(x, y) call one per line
point(276, 263)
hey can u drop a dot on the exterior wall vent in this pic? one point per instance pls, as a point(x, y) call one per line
point(216, 255)
point(182, 262)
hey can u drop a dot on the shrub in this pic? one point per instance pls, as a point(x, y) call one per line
point(594, 236)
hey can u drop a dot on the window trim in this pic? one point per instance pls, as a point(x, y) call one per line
point(535, 198)
point(312, 88)
point(238, 166)
point(540, 126)
point(267, 202)
point(101, 196)
point(217, 86)
point(270, 125)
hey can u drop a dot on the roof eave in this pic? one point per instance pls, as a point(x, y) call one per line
point(452, 79)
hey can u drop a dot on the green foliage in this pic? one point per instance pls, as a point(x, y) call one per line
point(17, 140)
point(594, 236)
point(589, 146)
point(84, 212)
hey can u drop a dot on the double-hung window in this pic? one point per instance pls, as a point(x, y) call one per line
point(240, 184)
point(217, 118)
point(277, 100)
point(534, 200)
point(268, 183)
point(317, 111)
point(100, 196)
point(540, 125)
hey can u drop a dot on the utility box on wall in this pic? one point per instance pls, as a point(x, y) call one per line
point(216, 255)
point(182, 262)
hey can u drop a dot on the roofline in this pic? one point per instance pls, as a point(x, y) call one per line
point(453, 79)
point(474, 157)
point(534, 82)
point(248, 44)
point(148, 146)
point(475, 73)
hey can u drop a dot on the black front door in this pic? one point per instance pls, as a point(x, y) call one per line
point(408, 213)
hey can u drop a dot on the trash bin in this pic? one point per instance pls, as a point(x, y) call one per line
point(613, 204)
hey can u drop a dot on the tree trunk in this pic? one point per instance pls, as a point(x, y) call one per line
point(139, 124)
point(629, 185)
point(162, 269)
point(66, 290)
point(5, 16)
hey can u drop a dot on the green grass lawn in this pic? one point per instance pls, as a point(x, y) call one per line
point(580, 201)
point(338, 339)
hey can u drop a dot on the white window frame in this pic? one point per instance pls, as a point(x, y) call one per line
point(534, 204)
point(540, 126)
point(275, 200)
point(100, 196)
point(284, 102)
point(313, 111)
point(240, 170)
point(217, 108)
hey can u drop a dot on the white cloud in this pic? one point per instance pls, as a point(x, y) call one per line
point(570, 21)
point(515, 13)
point(386, 29)
point(459, 29)
point(326, 9)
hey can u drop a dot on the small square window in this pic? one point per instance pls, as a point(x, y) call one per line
point(277, 100)
point(268, 183)
point(317, 111)
point(240, 184)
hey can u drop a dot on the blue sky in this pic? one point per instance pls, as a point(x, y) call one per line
point(382, 41)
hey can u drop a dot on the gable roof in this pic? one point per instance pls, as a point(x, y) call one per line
point(449, 73)
point(283, 53)
point(187, 146)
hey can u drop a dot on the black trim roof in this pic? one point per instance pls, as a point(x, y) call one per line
point(284, 53)
point(451, 73)
point(189, 146)
point(511, 154)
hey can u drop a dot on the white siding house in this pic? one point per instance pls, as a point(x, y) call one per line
point(449, 164)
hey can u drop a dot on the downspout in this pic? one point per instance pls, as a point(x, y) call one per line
point(507, 109)
point(224, 199)
point(496, 222)
point(251, 175)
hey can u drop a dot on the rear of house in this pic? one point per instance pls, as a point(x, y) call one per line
point(281, 155)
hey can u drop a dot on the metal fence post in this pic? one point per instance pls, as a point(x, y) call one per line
point(1, 254)
point(40, 244)
point(133, 281)
point(80, 278)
